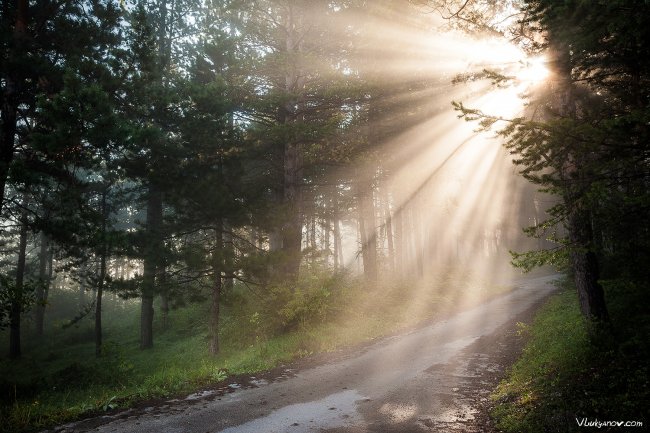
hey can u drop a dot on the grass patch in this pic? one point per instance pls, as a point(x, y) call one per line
point(59, 379)
point(564, 374)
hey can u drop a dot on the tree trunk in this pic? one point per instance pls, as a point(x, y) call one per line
point(418, 242)
point(151, 262)
point(8, 115)
point(583, 258)
point(217, 269)
point(585, 267)
point(292, 155)
point(43, 283)
point(102, 277)
point(98, 305)
point(312, 231)
point(368, 232)
point(81, 296)
point(164, 298)
point(399, 242)
point(327, 231)
point(388, 227)
point(338, 247)
point(18, 297)
point(229, 257)
point(292, 229)
point(11, 100)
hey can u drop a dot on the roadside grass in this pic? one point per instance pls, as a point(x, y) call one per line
point(567, 373)
point(60, 379)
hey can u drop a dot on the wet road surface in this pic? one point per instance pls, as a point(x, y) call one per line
point(435, 378)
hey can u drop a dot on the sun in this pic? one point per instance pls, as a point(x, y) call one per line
point(504, 58)
point(533, 70)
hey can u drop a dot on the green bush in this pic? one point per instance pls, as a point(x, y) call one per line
point(311, 300)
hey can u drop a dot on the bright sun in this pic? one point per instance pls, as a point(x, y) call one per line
point(506, 58)
point(533, 70)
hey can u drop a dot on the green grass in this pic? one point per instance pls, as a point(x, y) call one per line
point(60, 379)
point(566, 372)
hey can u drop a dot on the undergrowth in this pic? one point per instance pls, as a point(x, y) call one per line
point(568, 374)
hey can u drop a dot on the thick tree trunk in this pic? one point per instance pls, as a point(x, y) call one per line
point(18, 296)
point(292, 229)
point(292, 155)
point(583, 258)
point(151, 262)
point(585, 267)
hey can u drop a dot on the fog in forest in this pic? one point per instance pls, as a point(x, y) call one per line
point(193, 189)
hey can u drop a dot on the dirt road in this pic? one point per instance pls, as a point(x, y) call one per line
point(436, 378)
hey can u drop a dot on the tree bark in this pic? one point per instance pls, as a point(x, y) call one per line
point(292, 229)
point(338, 247)
point(11, 99)
point(18, 296)
point(573, 172)
point(217, 269)
point(418, 241)
point(388, 227)
point(151, 262)
point(399, 242)
point(368, 232)
point(102, 276)
point(292, 155)
point(229, 257)
point(43, 283)
point(585, 267)
point(164, 298)
point(327, 232)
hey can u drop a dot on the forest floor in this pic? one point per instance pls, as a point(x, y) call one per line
point(435, 378)
point(60, 380)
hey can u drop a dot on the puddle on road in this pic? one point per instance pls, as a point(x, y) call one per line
point(334, 411)
point(199, 395)
point(244, 383)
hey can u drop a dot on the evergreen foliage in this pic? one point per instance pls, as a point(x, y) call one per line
point(586, 140)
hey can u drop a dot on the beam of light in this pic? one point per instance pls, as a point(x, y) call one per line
point(456, 191)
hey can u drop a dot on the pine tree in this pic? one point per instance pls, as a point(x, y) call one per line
point(589, 142)
point(153, 87)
